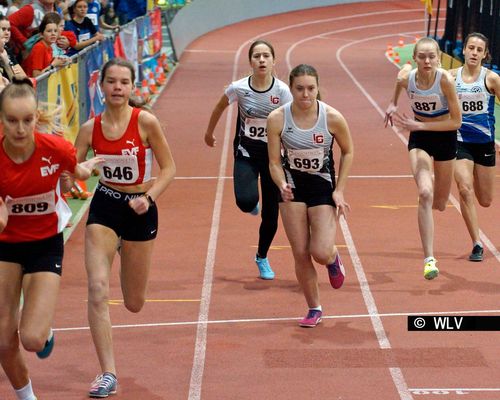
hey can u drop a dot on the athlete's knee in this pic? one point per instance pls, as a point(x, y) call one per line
point(322, 256)
point(134, 304)
point(33, 340)
point(485, 201)
point(246, 204)
point(98, 292)
point(466, 192)
point(425, 195)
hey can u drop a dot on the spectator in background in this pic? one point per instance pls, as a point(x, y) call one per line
point(25, 22)
point(85, 31)
point(15, 5)
point(62, 7)
point(41, 58)
point(109, 19)
point(64, 42)
point(129, 10)
point(8, 62)
point(93, 12)
point(4, 7)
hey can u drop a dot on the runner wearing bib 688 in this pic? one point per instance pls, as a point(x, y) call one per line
point(432, 143)
point(305, 175)
point(476, 156)
point(257, 95)
point(123, 208)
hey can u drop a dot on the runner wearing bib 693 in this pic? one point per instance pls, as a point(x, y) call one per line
point(257, 95)
point(476, 156)
point(311, 200)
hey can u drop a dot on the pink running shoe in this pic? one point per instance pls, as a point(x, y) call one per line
point(312, 319)
point(336, 272)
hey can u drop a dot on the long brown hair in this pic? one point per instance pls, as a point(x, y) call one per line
point(301, 70)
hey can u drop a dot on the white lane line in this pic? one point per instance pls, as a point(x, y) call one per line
point(201, 334)
point(281, 319)
point(182, 178)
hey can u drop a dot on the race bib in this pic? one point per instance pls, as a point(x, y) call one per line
point(426, 104)
point(473, 103)
point(255, 129)
point(84, 36)
point(39, 204)
point(309, 160)
point(119, 169)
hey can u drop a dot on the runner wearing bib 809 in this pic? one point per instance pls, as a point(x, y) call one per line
point(257, 95)
point(33, 214)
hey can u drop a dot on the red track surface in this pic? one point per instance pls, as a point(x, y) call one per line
point(203, 261)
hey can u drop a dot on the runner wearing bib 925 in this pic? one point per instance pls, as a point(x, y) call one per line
point(311, 200)
point(432, 143)
point(257, 95)
point(33, 214)
point(123, 209)
point(477, 88)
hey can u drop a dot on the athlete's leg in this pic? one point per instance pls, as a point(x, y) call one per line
point(443, 177)
point(270, 211)
point(323, 229)
point(421, 166)
point(134, 272)
point(484, 179)
point(10, 355)
point(246, 190)
point(100, 249)
point(40, 290)
point(296, 224)
point(464, 176)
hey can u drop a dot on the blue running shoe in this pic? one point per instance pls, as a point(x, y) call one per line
point(256, 210)
point(264, 268)
point(103, 386)
point(49, 346)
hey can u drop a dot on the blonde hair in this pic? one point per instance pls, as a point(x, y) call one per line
point(426, 40)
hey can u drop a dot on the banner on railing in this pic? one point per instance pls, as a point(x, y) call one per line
point(63, 91)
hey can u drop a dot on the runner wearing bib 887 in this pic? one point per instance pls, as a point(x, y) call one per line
point(257, 95)
point(432, 143)
point(305, 175)
point(475, 166)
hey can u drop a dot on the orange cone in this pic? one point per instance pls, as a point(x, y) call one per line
point(145, 90)
point(152, 83)
point(401, 43)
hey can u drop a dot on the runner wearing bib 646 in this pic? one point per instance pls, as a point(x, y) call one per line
point(433, 137)
point(257, 95)
point(476, 156)
point(123, 208)
point(33, 214)
point(311, 199)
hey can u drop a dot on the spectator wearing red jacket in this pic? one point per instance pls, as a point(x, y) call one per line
point(41, 58)
point(26, 21)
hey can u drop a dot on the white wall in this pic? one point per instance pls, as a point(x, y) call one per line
point(202, 16)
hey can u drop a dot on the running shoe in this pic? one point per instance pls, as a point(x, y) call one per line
point(312, 319)
point(336, 272)
point(49, 346)
point(265, 270)
point(256, 210)
point(477, 253)
point(103, 386)
point(430, 269)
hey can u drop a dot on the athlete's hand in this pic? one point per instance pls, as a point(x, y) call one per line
point(391, 109)
point(407, 123)
point(4, 215)
point(342, 206)
point(140, 205)
point(286, 192)
point(210, 139)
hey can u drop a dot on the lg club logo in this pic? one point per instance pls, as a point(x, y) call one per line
point(318, 138)
point(275, 100)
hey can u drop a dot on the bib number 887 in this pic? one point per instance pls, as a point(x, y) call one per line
point(425, 106)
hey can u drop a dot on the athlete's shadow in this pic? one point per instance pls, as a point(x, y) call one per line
point(457, 283)
point(334, 332)
point(257, 284)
